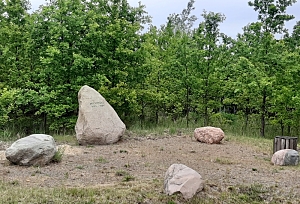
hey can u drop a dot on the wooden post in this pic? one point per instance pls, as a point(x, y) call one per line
point(284, 142)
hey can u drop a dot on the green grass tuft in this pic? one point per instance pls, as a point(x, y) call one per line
point(101, 160)
point(58, 155)
point(223, 161)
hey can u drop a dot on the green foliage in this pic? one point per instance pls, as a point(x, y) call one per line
point(272, 13)
point(7, 104)
point(178, 73)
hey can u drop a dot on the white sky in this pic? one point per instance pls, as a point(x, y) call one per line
point(238, 13)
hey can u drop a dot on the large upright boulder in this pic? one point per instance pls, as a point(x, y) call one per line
point(36, 150)
point(209, 135)
point(97, 122)
point(180, 178)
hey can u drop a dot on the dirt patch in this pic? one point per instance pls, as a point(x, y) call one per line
point(221, 166)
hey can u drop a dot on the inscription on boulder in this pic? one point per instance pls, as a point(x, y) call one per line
point(97, 104)
point(97, 122)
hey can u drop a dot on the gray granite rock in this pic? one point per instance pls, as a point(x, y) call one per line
point(180, 178)
point(36, 149)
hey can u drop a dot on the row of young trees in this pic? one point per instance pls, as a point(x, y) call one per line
point(180, 70)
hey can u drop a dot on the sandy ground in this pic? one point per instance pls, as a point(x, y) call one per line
point(220, 165)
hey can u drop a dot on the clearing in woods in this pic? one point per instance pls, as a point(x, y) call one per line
point(144, 159)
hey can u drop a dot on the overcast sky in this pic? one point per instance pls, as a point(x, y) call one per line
point(238, 13)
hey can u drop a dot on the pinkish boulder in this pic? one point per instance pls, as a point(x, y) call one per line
point(285, 157)
point(209, 135)
point(180, 178)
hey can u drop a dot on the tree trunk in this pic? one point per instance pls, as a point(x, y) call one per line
point(282, 127)
point(263, 114)
point(206, 116)
point(289, 130)
point(142, 117)
point(246, 121)
point(205, 100)
point(157, 92)
point(45, 123)
point(156, 116)
point(187, 106)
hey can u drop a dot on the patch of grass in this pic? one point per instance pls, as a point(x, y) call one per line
point(8, 134)
point(165, 128)
point(101, 160)
point(267, 159)
point(252, 193)
point(5, 135)
point(127, 178)
point(223, 161)
point(263, 145)
point(79, 167)
point(173, 130)
point(149, 191)
point(58, 155)
point(65, 139)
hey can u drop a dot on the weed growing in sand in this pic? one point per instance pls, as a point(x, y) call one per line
point(143, 154)
point(223, 161)
point(101, 160)
point(126, 176)
point(58, 155)
point(37, 171)
point(79, 167)
point(123, 151)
